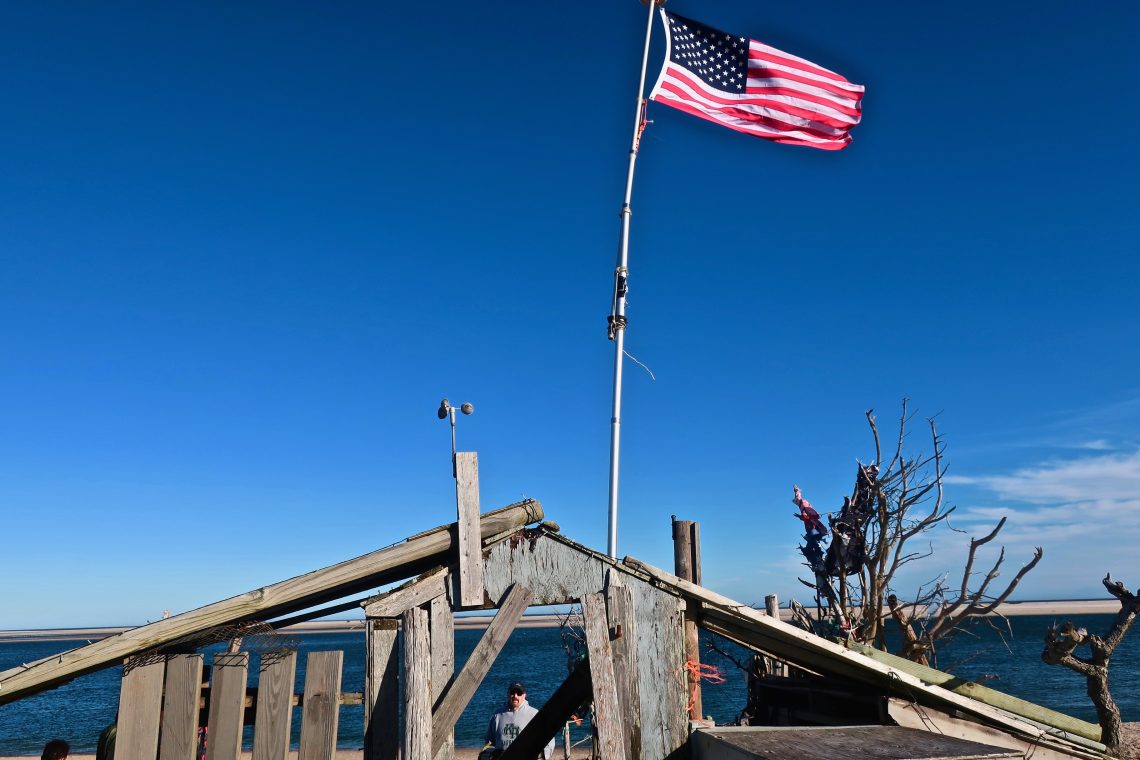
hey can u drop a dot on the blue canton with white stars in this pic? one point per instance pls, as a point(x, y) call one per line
point(719, 59)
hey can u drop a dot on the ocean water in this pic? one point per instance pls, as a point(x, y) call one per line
point(78, 711)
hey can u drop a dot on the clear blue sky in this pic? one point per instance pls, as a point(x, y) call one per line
point(248, 247)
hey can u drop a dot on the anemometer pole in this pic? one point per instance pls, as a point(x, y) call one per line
point(621, 276)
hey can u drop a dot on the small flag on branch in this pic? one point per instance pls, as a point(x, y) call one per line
point(751, 87)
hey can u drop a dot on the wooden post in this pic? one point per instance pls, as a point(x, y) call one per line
point(685, 559)
point(774, 666)
point(227, 706)
point(273, 723)
point(381, 690)
point(320, 710)
point(470, 540)
point(607, 713)
point(417, 686)
point(456, 697)
point(442, 662)
point(140, 707)
point(179, 738)
point(623, 640)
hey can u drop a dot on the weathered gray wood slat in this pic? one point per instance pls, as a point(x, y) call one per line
point(320, 710)
point(273, 722)
point(417, 686)
point(381, 691)
point(419, 591)
point(623, 621)
point(455, 699)
point(180, 705)
point(470, 544)
point(559, 571)
point(227, 706)
point(442, 662)
point(318, 587)
point(607, 713)
point(573, 692)
point(140, 707)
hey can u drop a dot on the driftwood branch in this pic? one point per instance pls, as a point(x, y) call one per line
point(1062, 642)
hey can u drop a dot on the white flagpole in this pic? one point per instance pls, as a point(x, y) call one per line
point(621, 276)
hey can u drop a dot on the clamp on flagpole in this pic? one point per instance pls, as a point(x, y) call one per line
point(617, 318)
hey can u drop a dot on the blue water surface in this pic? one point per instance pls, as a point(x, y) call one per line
point(78, 711)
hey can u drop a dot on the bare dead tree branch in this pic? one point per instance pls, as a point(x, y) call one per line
point(892, 505)
point(1062, 642)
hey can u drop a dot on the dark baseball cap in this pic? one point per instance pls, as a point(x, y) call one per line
point(516, 687)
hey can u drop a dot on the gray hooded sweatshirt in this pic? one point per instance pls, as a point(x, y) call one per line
point(507, 724)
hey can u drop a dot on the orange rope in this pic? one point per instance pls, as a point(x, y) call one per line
point(699, 671)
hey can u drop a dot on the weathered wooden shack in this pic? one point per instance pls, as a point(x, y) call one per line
point(641, 674)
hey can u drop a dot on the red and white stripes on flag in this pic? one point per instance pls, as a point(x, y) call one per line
point(754, 88)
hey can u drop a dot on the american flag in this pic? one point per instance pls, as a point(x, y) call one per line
point(754, 88)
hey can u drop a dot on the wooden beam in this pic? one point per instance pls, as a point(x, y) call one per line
point(808, 651)
point(623, 632)
point(417, 686)
point(396, 602)
point(180, 706)
point(320, 710)
point(983, 694)
point(140, 708)
point(381, 690)
point(470, 544)
point(453, 702)
point(227, 706)
point(273, 723)
point(318, 587)
point(442, 661)
point(907, 713)
point(607, 712)
point(567, 698)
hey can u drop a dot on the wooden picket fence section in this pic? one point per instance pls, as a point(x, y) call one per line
point(160, 704)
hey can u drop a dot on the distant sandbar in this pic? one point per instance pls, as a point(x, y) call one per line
point(1060, 608)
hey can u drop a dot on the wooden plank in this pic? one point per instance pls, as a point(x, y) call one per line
point(607, 712)
point(623, 629)
point(417, 686)
point(180, 706)
point(470, 544)
point(573, 692)
point(442, 661)
point(140, 708)
point(412, 594)
point(455, 699)
point(827, 743)
point(381, 691)
point(683, 562)
point(912, 715)
point(983, 694)
point(318, 587)
point(755, 628)
point(273, 723)
point(320, 710)
point(227, 706)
